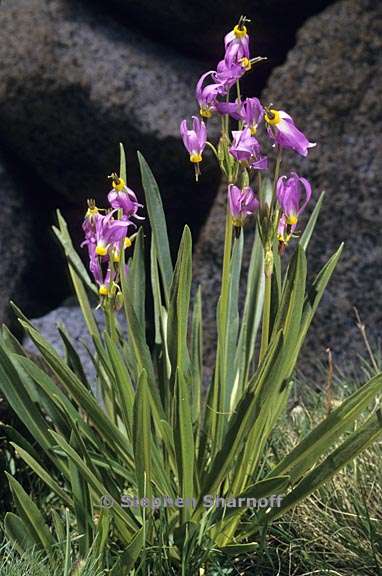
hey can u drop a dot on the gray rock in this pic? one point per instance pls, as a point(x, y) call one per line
point(331, 85)
point(30, 270)
point(16, 241)
point(74, 83)
point(71, 319)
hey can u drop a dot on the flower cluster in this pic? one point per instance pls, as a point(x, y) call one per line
point(239, 150)
point(107, 234)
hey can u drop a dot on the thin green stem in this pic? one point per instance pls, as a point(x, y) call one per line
point(238, 90)
point(213, 149)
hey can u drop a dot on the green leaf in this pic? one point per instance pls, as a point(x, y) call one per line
point(82, 502)
point(72, 356)
point(54, 393)
point(129, 557)
point(18, 398)
point(44, 475)
point(143, 358)
point(74, 260)
point(31, 516)
point(78, 275)
point(18, 533)
point(240, 422)
point(309, 228)
point(184, 442)
point(253, 307)
point(136, 282)
point(156, 292)
point(10, 341)
point(58, 527)
point(123, 382)
point(316, 443)
point(129, 524)
point(315, 293)
point(179, 305)
point(83, 397)
point(229, 371)
point(142, 437)
point(197, 355)
point(122, 164)
point(102, 538)
point(158, 224)
point(346, 452)
point(263, 488)
point(14, 436)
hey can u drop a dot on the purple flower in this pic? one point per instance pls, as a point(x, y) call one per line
point(195, 139)
point(250, 112)
point(206, 95)
point(95, 264)
point(290, 192)
point(284, 233)
point(226, 76)
point(231, 108)
point(283, 131)
point(236, 45)
point(246, 148)
point(105, 283)
point(89, 223)
point(109, 231)
point(242, 203)
point(123, 198)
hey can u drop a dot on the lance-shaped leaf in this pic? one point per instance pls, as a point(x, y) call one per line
point(347, 451)
point(78, 274)
point(179, 305)
point(197, 355)
point(31, 516)
point(253, 307)
point(136, 279)
point(309, 228)
point(316, 443)
point(129, 524)
point(142, 439)
point(18, 398)
point(184, 443)
point(122, 163)
point(44, 475)
point(158, 224)
point(83, 397)
point(18, 533)
point(128, 558)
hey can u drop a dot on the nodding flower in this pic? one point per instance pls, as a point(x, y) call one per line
point(290, 192)
point(108, 231)
point(246, 148)
point(123, 198)
point(92, 214)
point(250, 111)
point(207, 95)
point(242, 203)
point(282, 129)
point(95, 266)
point(226, 76)
point(236, 45)
point(194, 140)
